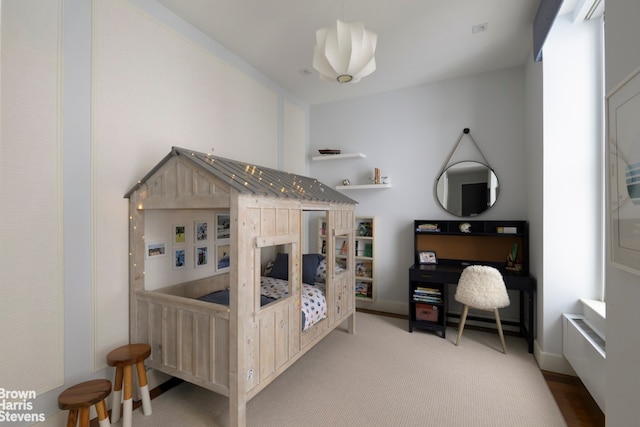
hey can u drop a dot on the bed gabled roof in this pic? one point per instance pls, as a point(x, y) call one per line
point(253, 179)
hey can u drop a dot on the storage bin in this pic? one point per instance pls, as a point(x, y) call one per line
point(427, 312)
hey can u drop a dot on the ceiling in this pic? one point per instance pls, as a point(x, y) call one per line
point(419, 41)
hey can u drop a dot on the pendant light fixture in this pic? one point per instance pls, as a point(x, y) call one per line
point(345, 53)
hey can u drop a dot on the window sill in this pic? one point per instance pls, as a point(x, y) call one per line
point(596, 313)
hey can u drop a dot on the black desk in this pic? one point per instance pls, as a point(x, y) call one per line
point(443, 274)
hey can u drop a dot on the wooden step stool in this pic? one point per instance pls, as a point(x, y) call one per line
point(79, 398)
point(123, 358)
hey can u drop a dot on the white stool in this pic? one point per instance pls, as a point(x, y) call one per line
point(79, 398)
point(123, 358)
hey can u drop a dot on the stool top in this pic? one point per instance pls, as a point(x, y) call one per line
point(84, 395)
point(128, 354)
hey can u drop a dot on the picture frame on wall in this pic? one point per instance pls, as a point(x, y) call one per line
point(155, 250)
point(223, 258)
point(179, 234)
point(179, 258)
point(427, 257)
point(201, 256)
point(223, 226)
point(623, 110)
point(201, 230)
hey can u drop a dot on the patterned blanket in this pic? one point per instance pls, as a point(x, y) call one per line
point(314, 304)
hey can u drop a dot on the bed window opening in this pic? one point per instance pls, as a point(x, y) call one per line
point(342, 259)
point(277, 266)
point(275, 285)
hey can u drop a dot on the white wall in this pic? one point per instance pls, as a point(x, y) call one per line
point(31, 199)
point(409, 135)
point(134, 80)
point(535, 173)
point(153, 90)
point(572, 159)
point(623, 289)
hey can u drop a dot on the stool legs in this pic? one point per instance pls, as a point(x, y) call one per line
point(72, 419)
point(504, 346)
point(127, 404)
point(123, 390)
point(144, 388)
point(103, 416)
point(117, 395)
point(463, 318)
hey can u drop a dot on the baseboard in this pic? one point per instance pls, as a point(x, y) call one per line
point(385, 306)
point(552, 362)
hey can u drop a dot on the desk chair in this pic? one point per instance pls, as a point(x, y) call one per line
point(482, 287)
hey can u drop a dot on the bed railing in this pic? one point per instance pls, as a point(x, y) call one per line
point(189, 339)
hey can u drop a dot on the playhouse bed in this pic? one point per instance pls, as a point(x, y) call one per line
point(237, 349)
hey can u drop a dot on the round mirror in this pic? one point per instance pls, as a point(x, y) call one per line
point(467, 188)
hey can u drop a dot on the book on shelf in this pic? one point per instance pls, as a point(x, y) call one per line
point(427, 290)
point(364, 269)
point(428, 227)
point(423, 294)
point(365, 229)
point(429, 297)
point(362, 289)
point(429, 301)
point(427, 294)
point(368, 250)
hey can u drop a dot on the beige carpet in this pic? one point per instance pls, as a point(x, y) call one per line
point(384, 376)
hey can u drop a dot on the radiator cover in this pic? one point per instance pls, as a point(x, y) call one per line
point(585, 350)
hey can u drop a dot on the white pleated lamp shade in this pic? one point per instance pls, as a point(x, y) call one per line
point(345, 53)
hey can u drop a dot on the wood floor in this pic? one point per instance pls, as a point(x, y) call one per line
point(576, 404)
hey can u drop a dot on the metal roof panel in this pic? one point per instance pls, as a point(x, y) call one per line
point(254, 179)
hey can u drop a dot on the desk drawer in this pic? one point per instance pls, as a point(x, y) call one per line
point(426, 276)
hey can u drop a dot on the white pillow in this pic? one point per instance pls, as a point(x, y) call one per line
point(321, 271)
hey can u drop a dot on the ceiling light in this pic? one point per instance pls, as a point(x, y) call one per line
point(345, 53)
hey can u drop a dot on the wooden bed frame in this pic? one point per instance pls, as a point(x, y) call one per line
point(235, 350)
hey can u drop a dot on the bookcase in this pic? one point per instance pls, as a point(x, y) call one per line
point(365, 234)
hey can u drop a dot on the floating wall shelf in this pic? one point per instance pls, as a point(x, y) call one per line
point(363, 187)
point(337, 156)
